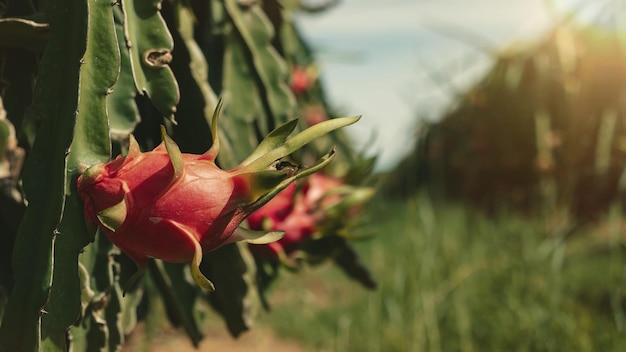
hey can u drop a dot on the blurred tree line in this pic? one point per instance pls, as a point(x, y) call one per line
point(545, 127)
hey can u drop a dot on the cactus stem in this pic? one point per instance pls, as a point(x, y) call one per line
point(132, 280)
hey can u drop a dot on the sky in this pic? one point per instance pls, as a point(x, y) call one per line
point(399, 62)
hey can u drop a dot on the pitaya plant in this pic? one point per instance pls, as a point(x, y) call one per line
point(85, 81)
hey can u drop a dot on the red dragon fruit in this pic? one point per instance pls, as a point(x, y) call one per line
point(291, 215)
point(317, 206)
point(173, 206)
point(303, 78)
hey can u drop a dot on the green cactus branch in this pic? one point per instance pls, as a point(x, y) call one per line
point(123, 113)
point(254, 80)
point(98, 72)
point(100, 326)
point(76, 115)
point(237, 299)
point(193, 113)
point(179, 296)
point(243, 104)
point(257, 32)
point(33, 251)
point(150, 44)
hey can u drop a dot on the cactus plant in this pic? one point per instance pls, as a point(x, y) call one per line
point(105, 71)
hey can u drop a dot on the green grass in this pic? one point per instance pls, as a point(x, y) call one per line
point(450, 280)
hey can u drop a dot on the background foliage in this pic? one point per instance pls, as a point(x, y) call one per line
point(543, 126)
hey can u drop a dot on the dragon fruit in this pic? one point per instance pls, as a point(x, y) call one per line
point(175, 206)
point(320, 205)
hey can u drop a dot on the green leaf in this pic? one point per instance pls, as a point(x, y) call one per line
point(299, 140)
point(273, 140)
point(150, 44)
point(257, 237)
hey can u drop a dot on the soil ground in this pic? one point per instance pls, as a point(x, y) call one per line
point(258, 339)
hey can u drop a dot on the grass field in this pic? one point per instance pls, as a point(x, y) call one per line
point(451, 280)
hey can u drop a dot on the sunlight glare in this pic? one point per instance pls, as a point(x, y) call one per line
point(601, 14)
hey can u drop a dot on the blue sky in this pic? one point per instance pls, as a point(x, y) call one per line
point(377, 58)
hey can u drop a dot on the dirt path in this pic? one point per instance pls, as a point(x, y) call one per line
point(259, 339)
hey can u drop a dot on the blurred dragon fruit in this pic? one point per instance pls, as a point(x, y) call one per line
point(303, 78)
point(319, 206)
